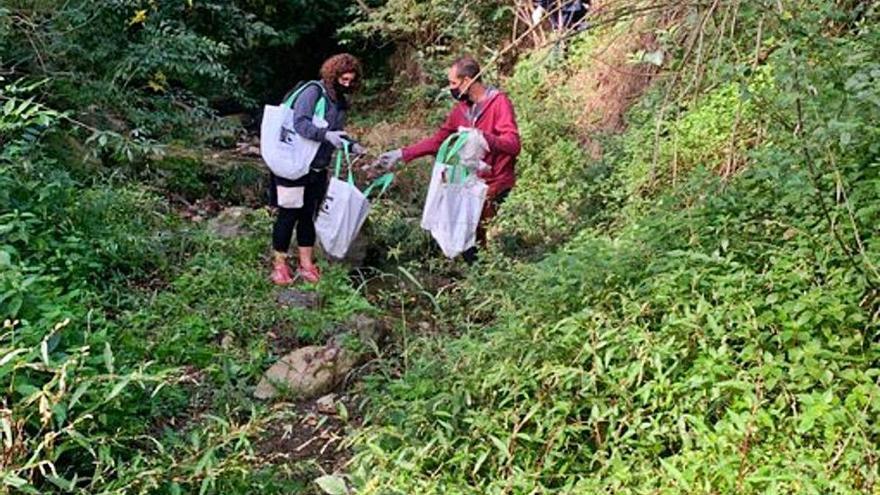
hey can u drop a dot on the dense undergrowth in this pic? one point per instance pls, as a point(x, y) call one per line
point(133, 336)
point(133, 333)
point(709, 323)
point(133, 340)
point(687, 306)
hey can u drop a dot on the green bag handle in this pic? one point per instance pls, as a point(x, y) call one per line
point(383, 183)
point(320, 107)
point(456, 140)
point(346, 154)
point(448, 152)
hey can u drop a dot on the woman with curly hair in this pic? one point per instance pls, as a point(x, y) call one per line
point(298, 200)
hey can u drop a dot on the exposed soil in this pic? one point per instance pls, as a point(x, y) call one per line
point(312, 435)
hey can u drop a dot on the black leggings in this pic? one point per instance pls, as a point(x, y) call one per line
point(302, 218)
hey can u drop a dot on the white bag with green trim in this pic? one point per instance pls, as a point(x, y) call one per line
point(455, 199)
point(286, 153)
point(345, 208)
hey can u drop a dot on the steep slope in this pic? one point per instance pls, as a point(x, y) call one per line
point(711, 326)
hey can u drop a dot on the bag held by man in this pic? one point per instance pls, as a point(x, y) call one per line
point(286, 153)
point(455, 199)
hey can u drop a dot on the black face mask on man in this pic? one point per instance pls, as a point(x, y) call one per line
point(458, 95)
point(341, 89)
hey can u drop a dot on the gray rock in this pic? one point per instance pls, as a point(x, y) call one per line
point(326, 404)
point(307, 372)
point(360, 327)
point(367, 329)
point(229, 224)
point(293, 298)
point(312, 371)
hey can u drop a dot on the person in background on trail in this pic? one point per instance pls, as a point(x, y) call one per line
point(298, 200)
point(488, 110)
point(565, 15)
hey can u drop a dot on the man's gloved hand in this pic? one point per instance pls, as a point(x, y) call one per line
point(335, 138)
point(388, 159)
point(385, 163)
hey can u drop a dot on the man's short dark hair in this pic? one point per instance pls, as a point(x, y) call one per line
point(467, 66)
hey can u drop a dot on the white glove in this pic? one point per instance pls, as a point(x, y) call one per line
point(357, 149)
point(335, 138)
point(390, 158)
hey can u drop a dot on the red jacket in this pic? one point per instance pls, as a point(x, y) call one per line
point(495, 117)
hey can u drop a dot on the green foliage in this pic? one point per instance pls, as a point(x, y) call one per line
point(131, 340)
point(395, 233)
point(189, 178)
point(434, 25)
point(158, 70)
point(701, 350)
point(718, 334)
point(706, 321)
point(76, 233)
point(711, 132)
point(556, 178)
point(428, 36)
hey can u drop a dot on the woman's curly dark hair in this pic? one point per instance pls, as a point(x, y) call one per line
point(337, 65)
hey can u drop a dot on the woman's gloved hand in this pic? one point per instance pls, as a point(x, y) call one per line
point(357, 149)
point(336, 138)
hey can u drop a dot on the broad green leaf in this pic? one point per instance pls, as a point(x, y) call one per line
point(501, 446)
point(117, 389)
point(332, 485)
point(108, 358)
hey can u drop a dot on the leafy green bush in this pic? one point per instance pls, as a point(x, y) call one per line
point(159, 70)
point(717, 335)
point(559, 186)
point(625, 364)
point(427, 37)
point(395, 234)
point(130, 340)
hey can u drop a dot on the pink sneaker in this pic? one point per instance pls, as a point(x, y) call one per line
point(281, 273)
point(311, 275)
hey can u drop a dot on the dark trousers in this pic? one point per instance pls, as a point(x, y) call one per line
point(302, 219)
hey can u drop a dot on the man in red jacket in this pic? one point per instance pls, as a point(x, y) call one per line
point(484, 108)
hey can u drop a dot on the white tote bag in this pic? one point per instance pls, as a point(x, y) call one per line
point(286, 153)
point(455, 199)
point(447, 151)
point(344, 210)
